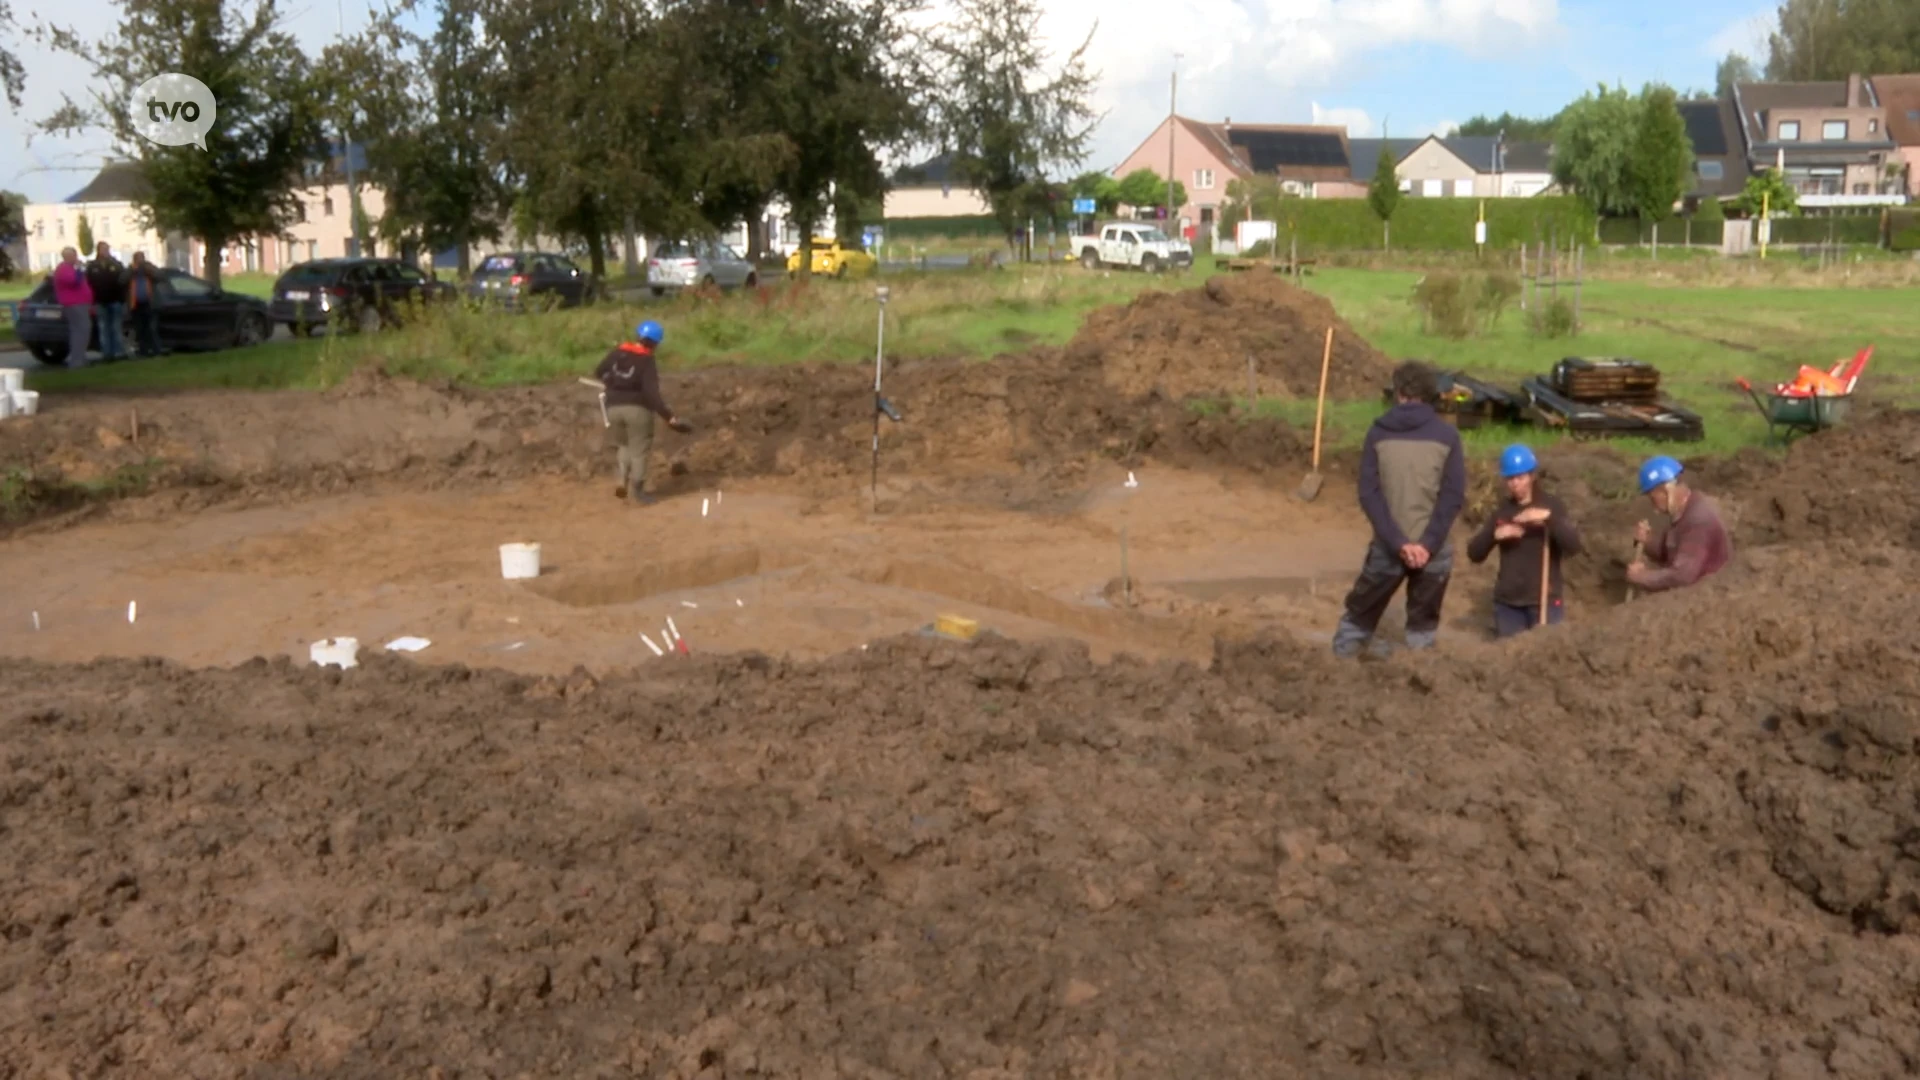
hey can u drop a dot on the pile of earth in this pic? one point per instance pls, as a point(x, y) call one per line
point(1199, 342)
point(1674, 840)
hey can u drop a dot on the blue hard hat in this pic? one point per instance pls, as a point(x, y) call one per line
point(650, 331)
point(1659, 471)
point(1517, 460)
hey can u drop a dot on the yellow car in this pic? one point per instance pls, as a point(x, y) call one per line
point(835, 259)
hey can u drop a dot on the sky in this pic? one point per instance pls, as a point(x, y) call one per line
point(1399, 67)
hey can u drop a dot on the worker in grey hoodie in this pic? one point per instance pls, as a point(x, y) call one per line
point(1413, 483)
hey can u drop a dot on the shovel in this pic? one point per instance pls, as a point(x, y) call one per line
point(1546, 570)
point(1639, 550)
point(605, 421)
point(1310, 487)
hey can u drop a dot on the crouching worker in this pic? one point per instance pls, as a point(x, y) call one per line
point(1692, 548)
point(1529, 526)
point(1413, 482)
point(632, 379)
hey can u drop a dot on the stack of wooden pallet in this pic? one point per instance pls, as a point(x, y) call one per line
point(1606, 379)
point(1609, 396)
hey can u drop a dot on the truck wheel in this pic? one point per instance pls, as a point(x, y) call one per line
point(1150, 263)
point(1090, 259)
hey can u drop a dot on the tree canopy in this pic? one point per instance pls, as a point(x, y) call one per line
point(1383, 193)
point(13, 77)
point(1660, 165)
point(1624, 154)
point(1145, 189)
point(1827, 40)
point(1518, 128)
point(1734, 68)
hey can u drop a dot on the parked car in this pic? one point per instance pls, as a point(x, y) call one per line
point(835, 258)
point(1139, 247)
point(699, 262)
point(364, 294)
point(516, 280)
point(192, 314)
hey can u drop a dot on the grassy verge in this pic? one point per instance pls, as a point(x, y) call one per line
point(951, 314)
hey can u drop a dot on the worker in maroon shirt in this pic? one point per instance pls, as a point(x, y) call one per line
point(1693, 547)
point(632, 379)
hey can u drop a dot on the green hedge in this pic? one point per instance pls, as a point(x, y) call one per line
point(1850, 229)
point(1672, 231)
point(1436, 224)
point(962, 226)
point(1903, 230)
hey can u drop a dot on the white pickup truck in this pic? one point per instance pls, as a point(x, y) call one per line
point(1134, 246)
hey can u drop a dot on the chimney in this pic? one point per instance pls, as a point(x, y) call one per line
point(1853, 92)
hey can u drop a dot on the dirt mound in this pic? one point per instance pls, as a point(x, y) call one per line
point(1198, 341)
point(1856, 483)
point(1044, 416)
point(1663, 851)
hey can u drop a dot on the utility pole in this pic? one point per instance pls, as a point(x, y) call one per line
point(1173, 91)
point(346, 152)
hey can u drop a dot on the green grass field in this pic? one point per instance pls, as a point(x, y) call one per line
point(1701, 336)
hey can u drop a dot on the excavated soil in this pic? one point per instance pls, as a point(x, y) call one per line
point(1679, 841)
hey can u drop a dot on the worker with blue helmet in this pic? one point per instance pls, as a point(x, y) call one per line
point(1534, 534)
point(1695, 544)
point(630, 400)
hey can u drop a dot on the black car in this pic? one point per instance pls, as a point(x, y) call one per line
point(518, 280)
point(361, 294)
point(192, 314)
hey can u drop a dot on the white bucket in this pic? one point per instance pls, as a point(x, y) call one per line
point(340, 652)
point(25, 402)
point(6, 406)
point(12, 380)
point(519, 561)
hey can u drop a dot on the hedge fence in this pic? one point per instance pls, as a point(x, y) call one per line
point(1672, 231)
point(1903, 230)
point(957, 227)
point(1435, 224)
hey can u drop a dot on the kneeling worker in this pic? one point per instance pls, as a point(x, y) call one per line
point(1529, 525)
point(1693, 547)
point(632, 379)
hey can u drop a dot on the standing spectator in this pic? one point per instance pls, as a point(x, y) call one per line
point(108, 280)
point(143, 279)
point(76, 303)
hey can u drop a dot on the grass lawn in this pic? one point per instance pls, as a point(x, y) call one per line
point(1701, 336)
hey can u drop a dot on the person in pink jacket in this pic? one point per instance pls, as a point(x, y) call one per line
point(70, 288)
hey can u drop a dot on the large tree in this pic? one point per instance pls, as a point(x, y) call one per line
point(1517, 128)
point(13, 229)
point(1143, 188)
point(267, 125)
point(1594, 147)
point(1824, 40)
point(1101, 187)
point(1383, 195)
point(1661, 165)
point(1735, 68)
point(423, 108)
point(1008, 115)
point(13, 76)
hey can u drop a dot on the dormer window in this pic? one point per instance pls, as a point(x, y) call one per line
point(1834, 131)
point(1789, 131)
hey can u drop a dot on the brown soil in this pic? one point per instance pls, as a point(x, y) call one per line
point(1674, 839)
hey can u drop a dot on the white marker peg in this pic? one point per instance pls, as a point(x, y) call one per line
point(688, 603)
point(717, 496)
point(737, 602)
point(656, 649)
point(1131, 482)
point(133, 609)
point(674, 629)
point(703, 508)
point(36, 621)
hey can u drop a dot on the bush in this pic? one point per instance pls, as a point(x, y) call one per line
point(1634, 231)
point(1459, 306)
point(1555, 320)
point(1903, 230)
point(1436, 224)
point(1841, 229)
point(1709, 210)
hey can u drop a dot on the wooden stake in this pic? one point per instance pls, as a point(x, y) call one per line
point(1126, 576)
point(133, 425)
point(1546, 569)
point(1253, 386)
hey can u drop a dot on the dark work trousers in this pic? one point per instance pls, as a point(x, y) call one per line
point(1380, 577)
point(146, 330)
point(1509, 620)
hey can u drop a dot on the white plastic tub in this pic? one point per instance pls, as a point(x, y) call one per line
point(6, 406)
point(339, 652)
point(25, 402)
point(12, 380)
point(519, 561)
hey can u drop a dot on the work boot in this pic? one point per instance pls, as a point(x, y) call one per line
point(641, 498)
point(620, 492)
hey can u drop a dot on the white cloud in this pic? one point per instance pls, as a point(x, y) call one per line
point(1356, 121)
point(1443, 129)
point(1746, 35)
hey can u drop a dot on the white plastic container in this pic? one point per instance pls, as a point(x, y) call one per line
point(12, 380)
point(6, 406)
point(519, 561)
point(25, 402)
point(339, 652)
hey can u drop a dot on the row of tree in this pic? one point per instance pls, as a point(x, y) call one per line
point(591, 120)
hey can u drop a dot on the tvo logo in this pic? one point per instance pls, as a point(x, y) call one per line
point(172, 110)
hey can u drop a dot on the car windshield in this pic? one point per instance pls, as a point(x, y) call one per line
point(309, 274)
point(1152, 236)
point(500, 264)
point(674, 251)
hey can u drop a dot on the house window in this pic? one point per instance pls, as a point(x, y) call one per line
point(1709, 170)
point(106, 226)
point(1834, 131)
point(1463, 189)
point(39, 229)
point(313, 250)
point(1203, 179)
point(326, 205)
point(1406, 186)
point(1206, 215)
point(1789, 131)
point(1863, 189)
point(1433, 189)
point(60, 228)
point(1873, 127)
point(301, 213)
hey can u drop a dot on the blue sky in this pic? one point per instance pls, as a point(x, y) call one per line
point(1413, 65)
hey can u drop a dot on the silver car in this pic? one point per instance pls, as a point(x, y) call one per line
point(698, 262)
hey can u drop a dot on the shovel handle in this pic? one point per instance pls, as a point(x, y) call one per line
point(1320, 409)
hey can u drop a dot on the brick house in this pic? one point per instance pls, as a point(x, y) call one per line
point(1206, 157)
point(1720, 167)
point(1899, 95)
point(1829, 137)
point(1457, 166)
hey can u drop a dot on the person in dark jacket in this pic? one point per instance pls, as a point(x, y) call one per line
point(143, 279)
point(1527, 520)
point(1693, 547)
point(632, 378)
point(108, 279)
point(1413, 483)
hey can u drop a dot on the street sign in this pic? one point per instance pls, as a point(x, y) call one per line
point(1083, 206)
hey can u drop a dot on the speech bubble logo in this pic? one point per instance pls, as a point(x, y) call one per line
point(172, 110)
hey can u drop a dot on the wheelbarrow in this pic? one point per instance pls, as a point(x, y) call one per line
point(1814, 401)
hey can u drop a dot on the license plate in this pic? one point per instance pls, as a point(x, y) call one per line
point(296, 295)
point(53, 314)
